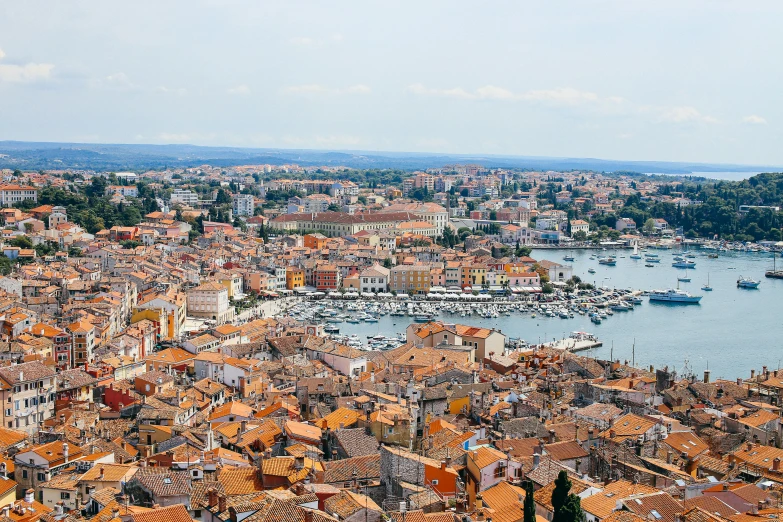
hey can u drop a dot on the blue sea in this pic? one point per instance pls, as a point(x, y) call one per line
point(731, 331)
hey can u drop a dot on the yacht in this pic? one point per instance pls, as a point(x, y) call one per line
point(653, 259)
point(674, 296)
point(684, 264)
point(609, 261)
point(568, 257)
point(746, 282)
point(707, 287)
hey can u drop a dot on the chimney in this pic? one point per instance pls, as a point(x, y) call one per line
point(29, 496)
point(443, 465)
point(776, 464)
point(212, 497)
point(739, 381)
point(59, 509)
point(115, 513)
point(669, 457)
point(65, 451)
point(21, 375)
point(100, 474)
point(221, 503)
point(551, 438)
point(706, 376)
point(725, 486)
point(298, 463)
point(612, 434)
point(308, 515)
point(536, 460)
point(752, 373)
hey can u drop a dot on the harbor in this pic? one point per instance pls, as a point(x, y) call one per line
point(666, 333)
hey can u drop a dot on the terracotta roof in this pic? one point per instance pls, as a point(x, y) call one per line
point(366, 467)
point(176, 513)
point(604, 503)
point(502, 494)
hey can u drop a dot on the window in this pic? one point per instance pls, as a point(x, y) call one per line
point(435, 482)
point(64, 495)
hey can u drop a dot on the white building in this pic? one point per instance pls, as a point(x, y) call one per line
point(186, 197)
point(244, 204)
point(210, 301)
point(374, 279)
point(579, 225)
point(10, 194)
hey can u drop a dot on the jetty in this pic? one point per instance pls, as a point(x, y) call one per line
point(576, 342)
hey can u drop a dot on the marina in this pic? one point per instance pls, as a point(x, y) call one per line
point(666, 333)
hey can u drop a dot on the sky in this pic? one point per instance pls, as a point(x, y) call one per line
point(615, 79)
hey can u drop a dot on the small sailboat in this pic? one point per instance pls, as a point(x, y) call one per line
point(685, 278)
point(707, 287)
point(568, 257)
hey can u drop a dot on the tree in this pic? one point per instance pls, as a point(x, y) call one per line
point(529, 506)
point(580, 236)
point(333, 207)
point(74, 251)
point(222, 197)
point(560, 495)
point(649, 226)
point(387, 263)
point(6, 265)
point(21, 242)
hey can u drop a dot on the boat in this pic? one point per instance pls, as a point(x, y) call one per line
point(648, 265)
point(684, 264)
point(674, 295)
point(609, 261)
point(568, 257)
point(595, 319)
point(591, 270)
point(774, 273)
point(746, 282)
point(707, 287)
point(422, 318)
point(651, 255)
point(712, 256)
point(635, 254)
point(653, 259)
point(685, 278)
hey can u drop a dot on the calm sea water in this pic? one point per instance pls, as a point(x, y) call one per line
point(731, 331)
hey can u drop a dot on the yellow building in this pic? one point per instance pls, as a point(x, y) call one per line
point(294, 278)
point(7, 491)
point(411, 279)
point(474, 275)
point(159, 317)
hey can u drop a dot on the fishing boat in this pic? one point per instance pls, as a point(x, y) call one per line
point(684, 264)
point(673, 295)
point(746, 282)
point(591, 270)
point(609, 261)
point(707, 287)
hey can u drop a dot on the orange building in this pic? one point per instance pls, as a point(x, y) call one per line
point(315, 241)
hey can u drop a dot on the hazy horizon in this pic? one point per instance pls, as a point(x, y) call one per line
point(610, 79)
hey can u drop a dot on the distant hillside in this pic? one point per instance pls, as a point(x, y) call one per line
point(102, 157)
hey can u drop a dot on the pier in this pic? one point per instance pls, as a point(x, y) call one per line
point(571, 344)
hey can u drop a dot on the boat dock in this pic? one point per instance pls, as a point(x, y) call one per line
point(571, 344)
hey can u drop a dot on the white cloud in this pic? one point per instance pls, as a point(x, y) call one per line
point(685, 114)
point(2, 54)
point(239, 89)
point(303, 41)
point(565, 95)
point(28, 73)
point(315, 88)
point(181, 91)
point(753, 118)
